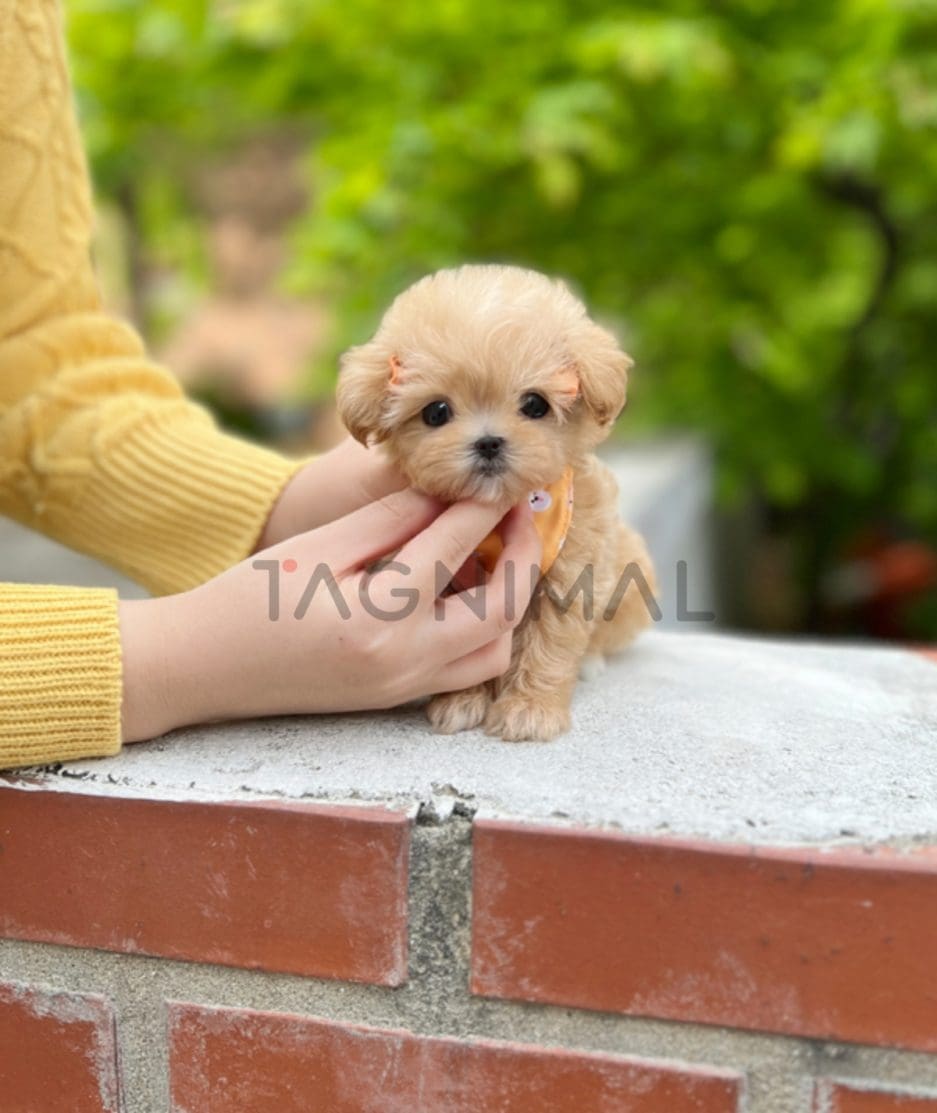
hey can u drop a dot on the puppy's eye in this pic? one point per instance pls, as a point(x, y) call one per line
point(534, 405)
point(437, 413)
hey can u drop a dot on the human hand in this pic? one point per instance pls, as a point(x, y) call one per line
point(328, 487)
point(361, 640)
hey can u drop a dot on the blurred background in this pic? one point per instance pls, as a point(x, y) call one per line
point(746, 192)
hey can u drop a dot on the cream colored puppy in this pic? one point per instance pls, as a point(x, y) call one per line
point(491, 382)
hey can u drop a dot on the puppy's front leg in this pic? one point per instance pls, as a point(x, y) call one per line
point(533, 698)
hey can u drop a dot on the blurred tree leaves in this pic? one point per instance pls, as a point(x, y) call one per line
point(747, 190)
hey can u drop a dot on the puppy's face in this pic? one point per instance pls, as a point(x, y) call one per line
point(484, 382)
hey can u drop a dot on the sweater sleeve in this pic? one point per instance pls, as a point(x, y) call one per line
point(99, 447)
point(60, 674)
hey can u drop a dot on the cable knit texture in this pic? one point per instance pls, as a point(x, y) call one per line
point(99, 448)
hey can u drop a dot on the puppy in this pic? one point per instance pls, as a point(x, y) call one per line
point(492, 383)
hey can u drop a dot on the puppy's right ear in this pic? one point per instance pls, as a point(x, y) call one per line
point(362, 391)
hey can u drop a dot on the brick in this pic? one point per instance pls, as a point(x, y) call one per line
point(57, 1052)
point(836, 945)
point(842, 1097)
point(281, 887)
point(231, 1061)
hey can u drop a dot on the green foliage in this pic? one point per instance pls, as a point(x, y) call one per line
point(746, 190)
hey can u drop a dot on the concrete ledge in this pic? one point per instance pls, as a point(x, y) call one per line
point(718, 892)
point(687, 734)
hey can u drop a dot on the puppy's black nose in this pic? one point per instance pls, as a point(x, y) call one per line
point(489, 447)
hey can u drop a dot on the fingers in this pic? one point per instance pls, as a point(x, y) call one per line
point(375, 530)
point(444, 546)
point(482, 664)
point(470, 575)
point(473, 619)
point(523, 551)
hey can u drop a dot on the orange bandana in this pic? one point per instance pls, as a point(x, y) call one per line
point(553, 511)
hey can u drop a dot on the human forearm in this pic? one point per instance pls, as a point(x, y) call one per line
point(191, 658)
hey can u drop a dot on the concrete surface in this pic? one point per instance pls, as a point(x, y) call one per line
point(686, 734)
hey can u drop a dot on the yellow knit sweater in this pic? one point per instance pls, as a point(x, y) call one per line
point(99, 448)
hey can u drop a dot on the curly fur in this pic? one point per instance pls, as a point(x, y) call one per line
point(479, 338)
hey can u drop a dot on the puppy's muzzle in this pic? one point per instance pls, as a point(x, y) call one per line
point(489, 455)
point(489, 448)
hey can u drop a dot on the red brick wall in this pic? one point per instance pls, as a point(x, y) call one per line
point(835, 944)
point(799, 944)
point(222, 1061)
point(57, 1052)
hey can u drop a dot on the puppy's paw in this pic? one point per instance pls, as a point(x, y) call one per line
point(454, 711)
point(521, 720)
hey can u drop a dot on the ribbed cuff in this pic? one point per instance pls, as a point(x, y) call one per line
point(60, 674)
point(174, 501)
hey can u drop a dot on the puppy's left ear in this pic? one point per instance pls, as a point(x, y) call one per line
point(602, 368)
point(362, 389)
